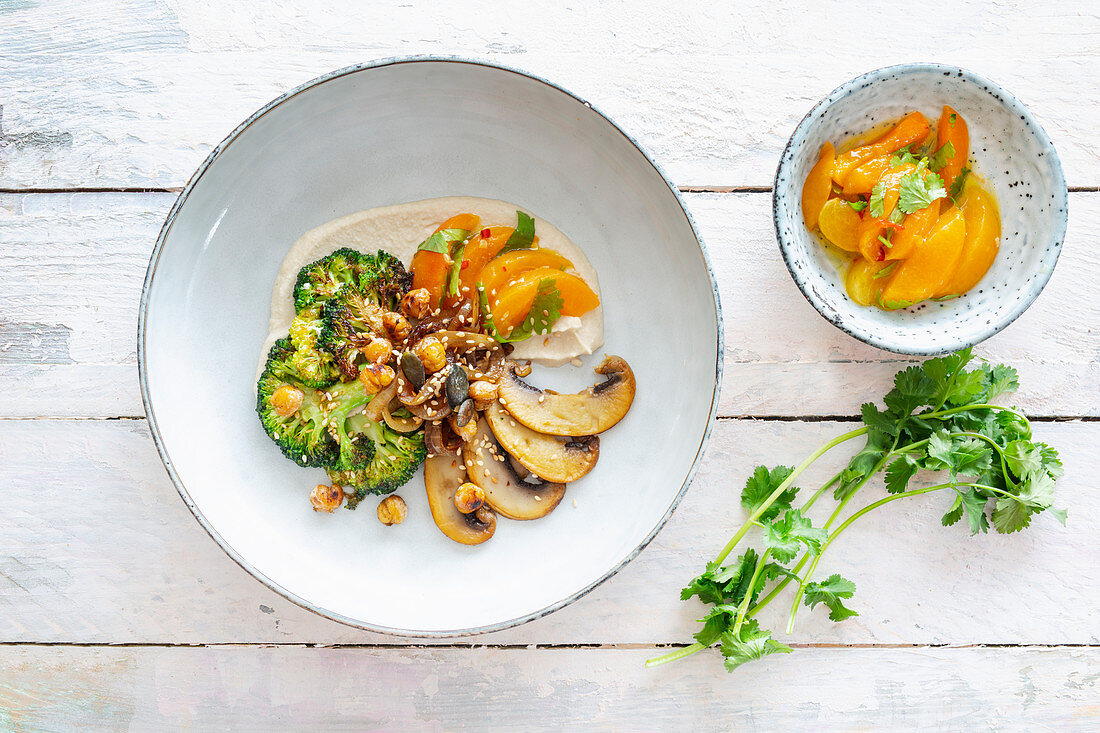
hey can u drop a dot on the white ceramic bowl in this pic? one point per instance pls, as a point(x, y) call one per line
point(385, 133)
point(1010, 151)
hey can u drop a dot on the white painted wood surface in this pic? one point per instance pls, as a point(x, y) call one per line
point(96, 549)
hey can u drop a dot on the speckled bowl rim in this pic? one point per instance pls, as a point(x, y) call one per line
point(1007, 99)
point(162, 449)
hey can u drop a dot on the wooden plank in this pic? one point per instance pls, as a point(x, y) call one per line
point(102, 94)
point(264, 689)
point(98, 548)
point(72, 266)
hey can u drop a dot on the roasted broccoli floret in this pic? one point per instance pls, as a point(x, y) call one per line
point(314, 366)
point(319, 281)
point(301, 435)
point(396, 458)
point(355, 450)
point(350, 321)
point(388, 280)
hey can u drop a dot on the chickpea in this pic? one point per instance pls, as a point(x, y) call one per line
point(416, 303)
point(286, 400)
point(483, 392)
point(375, 377)
point(392, 510)
point(432, 354)
point(378, 351)
point(326, 498)
point(396, 325)
point(469, 498)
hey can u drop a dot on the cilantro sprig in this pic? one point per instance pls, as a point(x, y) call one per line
point(939, 416)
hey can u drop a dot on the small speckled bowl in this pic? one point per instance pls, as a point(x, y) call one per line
point(1011, 153)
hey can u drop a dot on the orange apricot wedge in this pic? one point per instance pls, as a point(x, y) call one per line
point(839, 223)
point(952, 128)
point(818, 185)
point(915, 228)
point(864, 280)
point(511, 265)
point(513, 303)
point(983, 232)
point(930, 266)
point(864, 176)
point(911, 129)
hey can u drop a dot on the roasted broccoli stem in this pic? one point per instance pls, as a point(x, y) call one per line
point(320, 280)
point(302, 436)
point(396, 458)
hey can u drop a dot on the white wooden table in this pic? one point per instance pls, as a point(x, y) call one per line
point(117, 611)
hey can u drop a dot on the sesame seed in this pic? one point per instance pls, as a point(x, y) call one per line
point(574, 503)
point(538, 498)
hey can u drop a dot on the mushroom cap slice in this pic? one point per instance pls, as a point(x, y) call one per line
point(591, 411)
point(443, 474)
point(505, 491)
point(550, 457)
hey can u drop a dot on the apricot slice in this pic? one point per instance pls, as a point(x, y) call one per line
point(915, 228)
point(839, 223)
point(930, 266)
point(818, 185)
point(430, 269)
point(862, 285)
point(863, 177)
point(483, 247)
point(513, 302)
point(952, 128)
point(911, 129)
point(513, 264)
point(983, 232)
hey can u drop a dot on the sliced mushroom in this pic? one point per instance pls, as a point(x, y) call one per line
point(489, 467)
point(585, 413)
point(551, 458)
point(443, 474)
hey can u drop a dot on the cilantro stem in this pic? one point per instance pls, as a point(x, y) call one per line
point(783, 487)
point(1000, 453)
point(673, 656)
point(964, 408)
point(748, 594)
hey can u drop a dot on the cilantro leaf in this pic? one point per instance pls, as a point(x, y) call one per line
point(916, 192)
point(715, 623)
point(899, 472)
point(749, 644)
point(831, 592)
point(1023, 457)
point(901, 157)
point(523, 236)
point(786, 535)
point(941, 157)
point(760, 486)
point(957, 184)
point(912, 389)
point(1000, 379)
point(874, 418)
point(886, 270)
point(858, 205)
point(973, 504)
point(544, 313)
point(878, 194)
point(1010, 515)
point(862, 463)
point(939, 451)
point(726, 584)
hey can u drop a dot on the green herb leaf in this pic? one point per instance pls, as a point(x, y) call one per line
point(884, 272)
point(901, 157)
point(749, 644)
point(941, 157)
point(1023, 457)
point(441, 241)
point(523, 236)
point(878, 194)
point(886, 240)
point(917, 192)
point(957, 184)
point(899, 472)
point(786, 535)
point(760, 486)
point(831, 592)
point(456, 268)
point(858, 205)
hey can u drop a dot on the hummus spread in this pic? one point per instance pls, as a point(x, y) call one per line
point(400, 229)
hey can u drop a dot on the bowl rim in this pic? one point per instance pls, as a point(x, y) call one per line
point(162, 449)
point(1006, 98)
